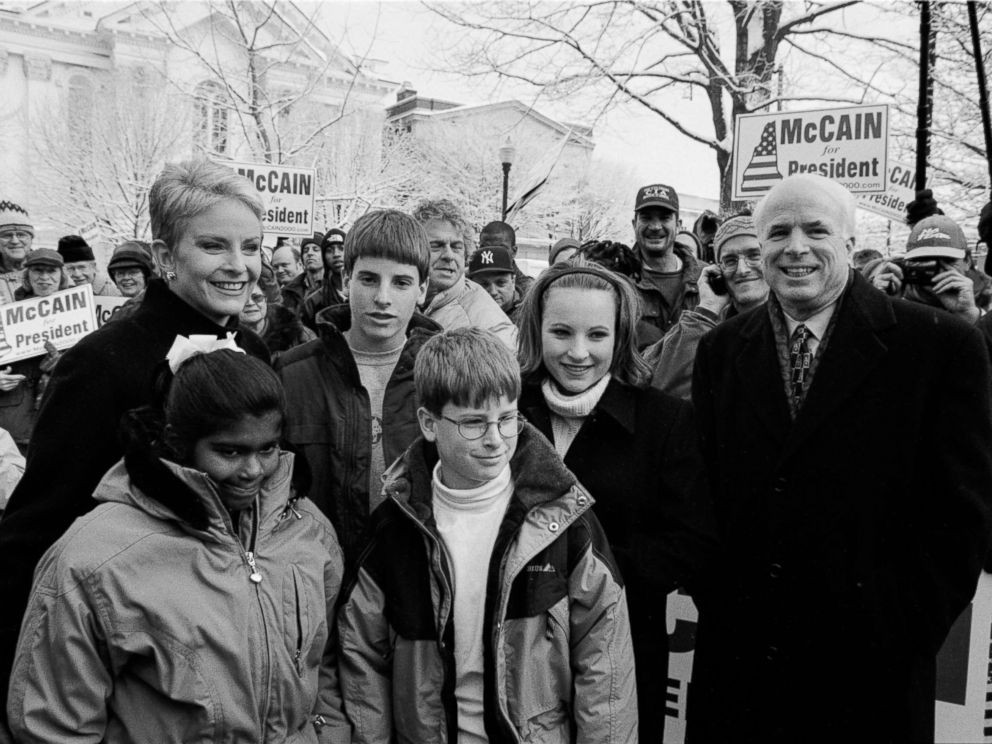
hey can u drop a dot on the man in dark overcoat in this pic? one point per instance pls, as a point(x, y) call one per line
point(848, 441)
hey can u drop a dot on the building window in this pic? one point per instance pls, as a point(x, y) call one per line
point(211, 118)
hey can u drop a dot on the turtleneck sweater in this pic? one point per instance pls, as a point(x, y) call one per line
point(468, 521)
point(568, 412)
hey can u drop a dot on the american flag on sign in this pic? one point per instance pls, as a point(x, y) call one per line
point(762, 173)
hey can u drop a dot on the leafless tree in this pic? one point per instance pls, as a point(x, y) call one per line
point(736, 54)
point(96, 155)
point(272, 62)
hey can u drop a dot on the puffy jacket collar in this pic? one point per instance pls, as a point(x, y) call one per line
point(447, 296)
point(539, 475)
point(170, 491)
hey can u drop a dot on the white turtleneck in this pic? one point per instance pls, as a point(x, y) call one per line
point(468, 521)
point(569, 412)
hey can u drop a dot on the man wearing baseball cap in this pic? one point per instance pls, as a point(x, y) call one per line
point(668, 272)
point(492, 268)
point(934, 269)
point(738, 269)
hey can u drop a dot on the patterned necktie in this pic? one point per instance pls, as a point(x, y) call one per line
point(799, 359)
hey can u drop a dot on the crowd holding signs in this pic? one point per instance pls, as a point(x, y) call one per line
point(622, 500)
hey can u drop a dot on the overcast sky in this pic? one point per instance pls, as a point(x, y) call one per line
point(405, 35)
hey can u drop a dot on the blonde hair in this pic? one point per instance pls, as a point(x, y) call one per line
point(184, 190)
point(627, 364)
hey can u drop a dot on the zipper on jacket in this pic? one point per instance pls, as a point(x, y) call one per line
point(254, 576)
point(297, 658)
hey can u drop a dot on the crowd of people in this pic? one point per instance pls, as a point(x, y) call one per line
point(385, 486)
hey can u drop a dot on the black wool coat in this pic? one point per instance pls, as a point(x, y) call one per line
point(852, 537)
point(75, 440)
point(636, 454)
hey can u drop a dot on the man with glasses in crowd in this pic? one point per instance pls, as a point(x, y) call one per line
point(733, 286)
point(16, 234)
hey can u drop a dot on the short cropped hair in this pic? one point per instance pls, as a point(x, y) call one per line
point(445, 210)
point(211, 392)
point(500, 228)
point(466, 367)
point(627, 364)
point(389, 234)
point(184, 190)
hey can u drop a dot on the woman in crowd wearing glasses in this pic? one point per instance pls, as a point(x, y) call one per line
point(632, 447)
point(735, 284)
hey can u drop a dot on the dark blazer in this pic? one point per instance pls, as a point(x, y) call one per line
point(636, 454)
point(852, 537)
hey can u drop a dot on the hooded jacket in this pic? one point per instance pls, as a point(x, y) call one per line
point(329, 419)
point(559, 665)
point(145, 623)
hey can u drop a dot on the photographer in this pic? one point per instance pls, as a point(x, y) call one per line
point(933, 271)
point(735, 284)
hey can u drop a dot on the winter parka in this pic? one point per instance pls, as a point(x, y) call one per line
point(146, 625)
point(329, 419)
point(559, 665)
point(466, 304)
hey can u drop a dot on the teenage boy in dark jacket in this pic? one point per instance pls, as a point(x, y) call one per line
point(350, 402)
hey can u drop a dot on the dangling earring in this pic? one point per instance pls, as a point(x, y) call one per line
point(170, 276)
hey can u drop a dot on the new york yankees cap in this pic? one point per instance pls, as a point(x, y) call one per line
point(493, 259)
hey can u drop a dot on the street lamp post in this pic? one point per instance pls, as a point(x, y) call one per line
point(506, 155)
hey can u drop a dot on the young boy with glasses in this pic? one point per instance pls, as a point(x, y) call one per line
point(488, 606)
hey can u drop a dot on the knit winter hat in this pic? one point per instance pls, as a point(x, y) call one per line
point(561, 245)
point(130, 255)
point(13, 215)
point(731, 228)
point(326, 240)
point(44, 257)
point(73, 248)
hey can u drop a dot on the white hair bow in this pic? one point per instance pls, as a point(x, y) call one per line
point(184, 348)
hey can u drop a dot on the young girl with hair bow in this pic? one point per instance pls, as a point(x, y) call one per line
point(195, 603)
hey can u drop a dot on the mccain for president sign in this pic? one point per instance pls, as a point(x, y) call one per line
point(848, 145)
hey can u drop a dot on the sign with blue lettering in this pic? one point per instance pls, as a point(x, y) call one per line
point(849, 145)
point(288, 194)
point(62, 318)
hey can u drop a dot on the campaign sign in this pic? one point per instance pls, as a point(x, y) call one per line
point(964, 665)
point(288, 194)
point(106, 308)
point(900, 190)
point(62, 318)
point(963, 705)
point(849, 145)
